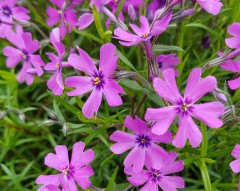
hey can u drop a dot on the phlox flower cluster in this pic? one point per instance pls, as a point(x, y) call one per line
point(76, 74)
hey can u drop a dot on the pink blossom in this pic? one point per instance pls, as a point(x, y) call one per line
point(211, 6)
point(23, 52)
point(142, 143)
point(167, 61)
point(65, 15)
point(158, 177)
point(98, 81)
point(144, 33)
point(185, 107)
point(235, 165)
point(55, 83)
point(77, 170)
point(233, 66)
point(234, 30)
point(9, 10)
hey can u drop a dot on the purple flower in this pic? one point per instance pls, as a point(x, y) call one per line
point(55, 83)
point(144, 33)
point(185, 107)
point(9, 10)
point(233, 66)
point(77, 170)
point(167, 61)
point(142, 143)
point(24, 52)
point(154, 177)
point(235, 165)
point(234, 42)
point(154, 6)
point(211, 6)
point(65, 15)
point(99, 81)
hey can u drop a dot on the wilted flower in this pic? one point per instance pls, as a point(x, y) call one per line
point(142, 143)
point(24, 52)
point(77, 170)
point(185, 107)
point(154, 177)
point(9, 10)
point(99, 81)
point(144, 33)
point(211, 6)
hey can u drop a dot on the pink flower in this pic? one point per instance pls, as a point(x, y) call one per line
point(55, 83)
point(99, 81)
point(65, 15)
point(49, 187)
point(185, 107)
point(142, 142)
point(167, 61)
point(24, 52)
point(154, 177)
point(233, 66)
point(144, 33)
point(77, 170)
point(9, 10)
point(235, 165)
point(211, 6)
point(234, 42)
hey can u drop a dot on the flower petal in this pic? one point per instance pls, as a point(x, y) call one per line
point(236, 151)
point(130, 160)
point(83, 62)
point(164, 117)
point(91, 106)
point(197, 87)
point(138, 126)
point(167, 88)
point(48, 179)
point(209, 113)
point(84, 21)
point(234, 84)
point(108, 59)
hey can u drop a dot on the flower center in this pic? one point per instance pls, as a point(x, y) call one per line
point(145, 35)
point(6, 10)
point(143, 141)
point(57, 65)
point(156, 174)
point(66, 171)
point(97, 81)
point(60, 11)
point(116, 1)
point(184, 107)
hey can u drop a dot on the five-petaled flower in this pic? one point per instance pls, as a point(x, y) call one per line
point(9, 10)
point(77, 170)
point(99, 81)
point(154, 177)
point(144, 33)
point(143, 142)
point(185, 107)
point(24, 52)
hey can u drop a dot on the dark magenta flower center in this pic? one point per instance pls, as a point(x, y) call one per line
point(143, 141)
point(155, 175)
point(25, 55)
point(68, 171)
point(98, 80)
point(7, 12)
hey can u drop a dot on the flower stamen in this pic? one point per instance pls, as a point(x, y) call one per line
point(145, 35)
point(97, 81)
point(66, 171)
point(184, 107)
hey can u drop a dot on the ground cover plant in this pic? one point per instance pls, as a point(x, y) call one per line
point(119, 95)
